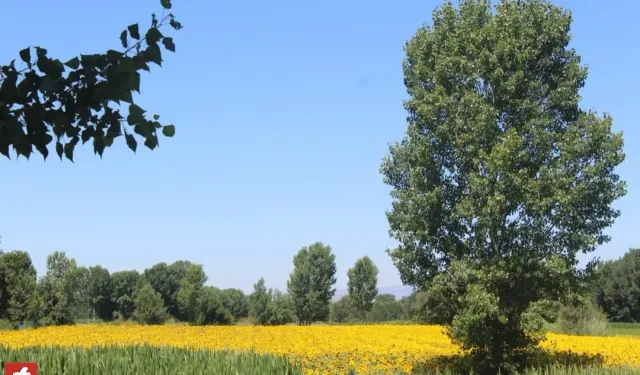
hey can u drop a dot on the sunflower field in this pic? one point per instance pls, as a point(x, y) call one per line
point(365, 349)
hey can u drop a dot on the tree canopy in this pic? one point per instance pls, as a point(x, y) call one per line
point(501, 178)
point(363, 285)
point(44, 101)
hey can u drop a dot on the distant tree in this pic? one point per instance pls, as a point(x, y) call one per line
point(311, 282)
point(363, 285)
point(407, 303)
point(386, 309)
point(260, 307)
point(342, 310)
point(100, 292)
point(39, 101)
point(82, 306)
point(502, 178)
point(210, 310)
point(165, 279)
point(58, 288)
point(189, 292)
point(125, 285)
point(237, 303)
point(149, 307)
point(617, 287)
point(18, 279)
point(282, 311)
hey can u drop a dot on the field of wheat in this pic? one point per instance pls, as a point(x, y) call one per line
point(317, 349)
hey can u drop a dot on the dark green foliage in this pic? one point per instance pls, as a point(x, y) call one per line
point(311, 282)
point(386, 309)
point(210, 309)
point(363, 285)
point(189, 292)
point(501, 178)
point(270, 306)
point(45, 101)
point(237, 302)
point(166, 280)
point(125, 285)
point(617, 287)
point(260, 303)
point(19, 300)
point(149, 307)
point(342, 310)
point(100, 292)
point(58, 289)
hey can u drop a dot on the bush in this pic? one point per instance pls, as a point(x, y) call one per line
point(582, 318)
point(149, 306)
point(6, 325)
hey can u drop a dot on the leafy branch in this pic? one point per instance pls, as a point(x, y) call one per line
point(74, 101)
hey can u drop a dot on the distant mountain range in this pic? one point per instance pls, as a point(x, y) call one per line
point(398, 291)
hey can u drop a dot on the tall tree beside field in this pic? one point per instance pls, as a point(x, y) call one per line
point(165, 279)
point(149, 308)
point(260, 308)
point(125, 285)
point(311, 284)
point(59, 288)
point(46, 103)
point(501, 178)
point(363, 285)
point(617, 287)
point(100, 293)
point(237, 303)
point(18, 282)
point(189, 292)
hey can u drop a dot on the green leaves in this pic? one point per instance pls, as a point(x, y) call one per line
point(133, 31)
point(153, 35)
point(74, 101)
point(169, 130)
point(74, 63)
point(153, 54)
point(168, 44)
point(25, 55)
point(123, 39)
point(166, 4)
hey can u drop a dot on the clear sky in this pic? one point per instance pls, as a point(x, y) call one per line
point(284, 110)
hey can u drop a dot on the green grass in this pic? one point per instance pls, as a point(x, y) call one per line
point(624, 329)
point(145, 360)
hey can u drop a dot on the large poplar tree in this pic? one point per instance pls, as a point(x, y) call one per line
point(502, 178)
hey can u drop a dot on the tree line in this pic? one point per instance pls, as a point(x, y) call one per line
point(68, 292)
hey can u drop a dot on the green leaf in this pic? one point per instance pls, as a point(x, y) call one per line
point(134, 32)
point(156, 117)
point(153, 54)
point(123, 39)
point(168, 44)
point(131, 142)
point(25, 55)
point(151, 142)
point(136, 110)
point(125, 96)
point(166, 4)
point(169, 131)
point(113, 56)
point(68, 151)
point(59, 149)
point(73, 63)
point(153, 35)
point(126, 65)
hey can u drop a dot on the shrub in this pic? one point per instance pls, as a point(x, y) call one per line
point(149, 306)
point(6, 325)
point(582, 318)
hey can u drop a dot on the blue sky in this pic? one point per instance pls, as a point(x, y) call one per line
point(283, 110)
